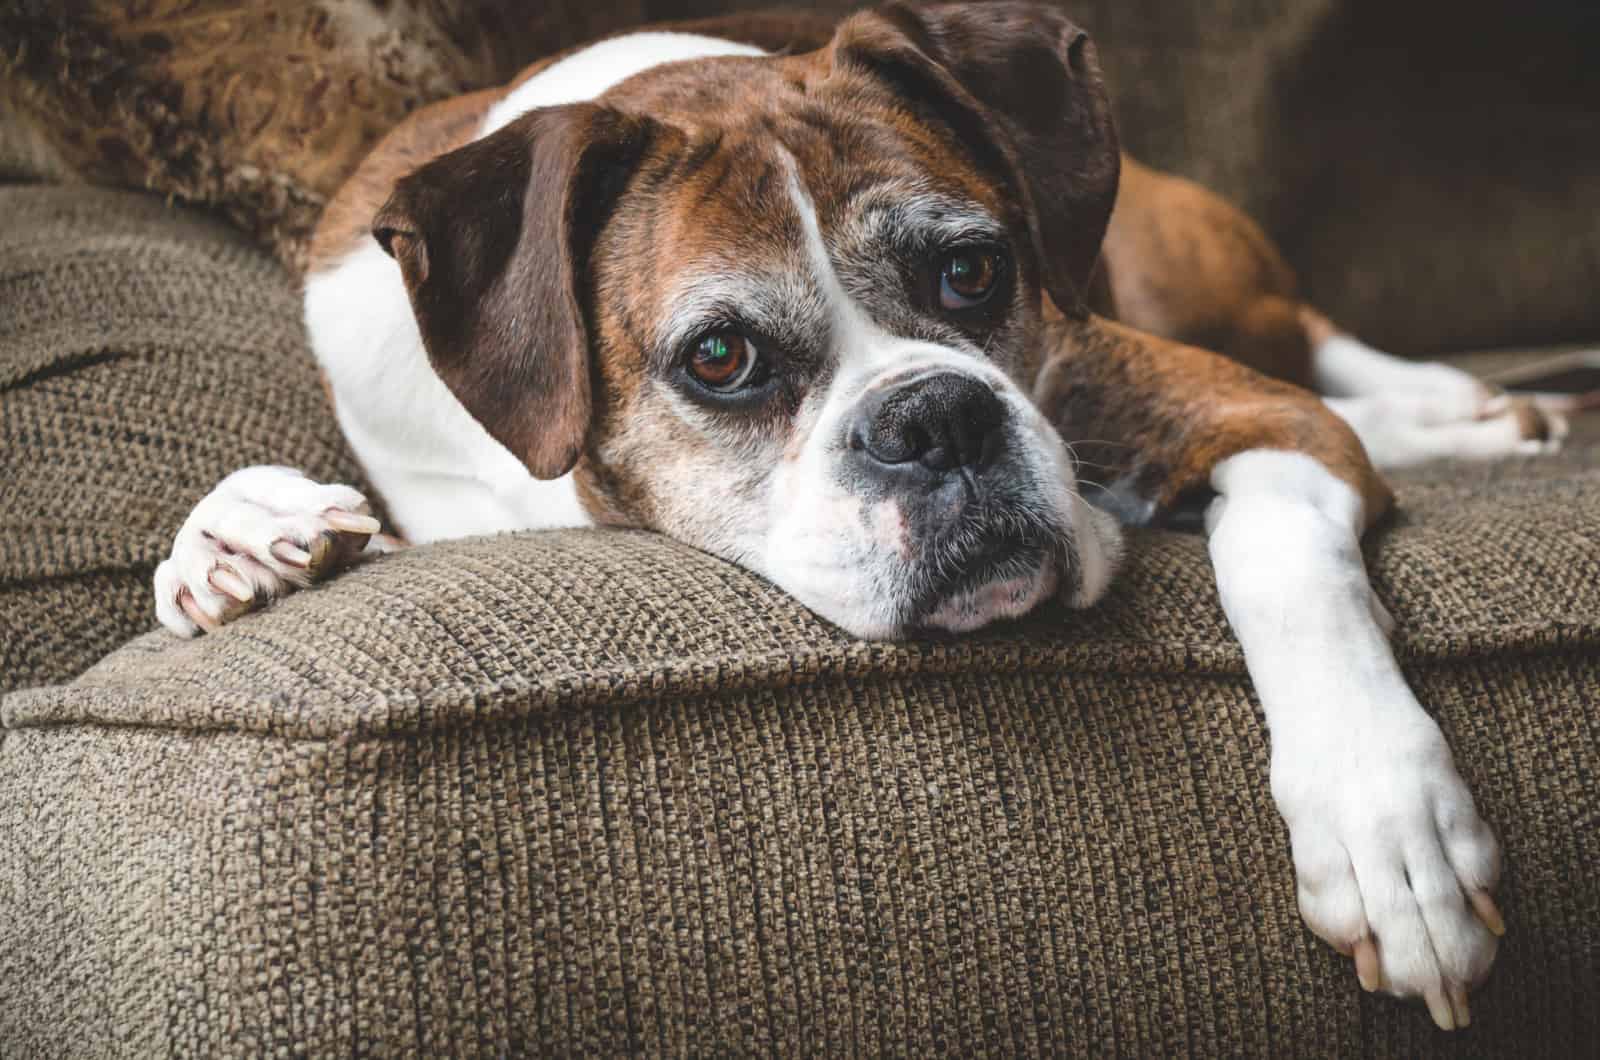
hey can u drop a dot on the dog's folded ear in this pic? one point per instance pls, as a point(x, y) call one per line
point(1019, 85)
point(493, 240)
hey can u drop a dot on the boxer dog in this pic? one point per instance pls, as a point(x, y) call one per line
point(831, 302)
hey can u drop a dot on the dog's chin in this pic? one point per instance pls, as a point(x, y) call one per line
point(1005, 584)
point(1006, 577)
point(1012, 590)
point(1002, 579)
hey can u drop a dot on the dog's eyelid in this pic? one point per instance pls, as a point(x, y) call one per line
point(924, 240)
point(680, 336)
point(976, 236)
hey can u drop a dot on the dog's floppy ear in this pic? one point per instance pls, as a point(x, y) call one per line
point(493, 240)
point(1018, 83)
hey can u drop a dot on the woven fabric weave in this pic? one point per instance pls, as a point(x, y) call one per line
point(597, 792)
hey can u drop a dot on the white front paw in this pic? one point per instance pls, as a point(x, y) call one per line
point(1394, 865)
point(260, 533)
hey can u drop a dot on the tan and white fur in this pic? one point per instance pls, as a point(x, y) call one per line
point(789, 242)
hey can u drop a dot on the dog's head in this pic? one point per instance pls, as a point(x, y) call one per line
point(788, 309)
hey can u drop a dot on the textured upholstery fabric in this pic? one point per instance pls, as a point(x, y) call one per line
point(599, 792)
point(593, 794)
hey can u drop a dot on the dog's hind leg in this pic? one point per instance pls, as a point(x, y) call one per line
point(1183, 263)
point(1411, 412)
point(1404, 428)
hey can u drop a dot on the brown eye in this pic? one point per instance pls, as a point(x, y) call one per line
point(723, 360)
point(968, 277)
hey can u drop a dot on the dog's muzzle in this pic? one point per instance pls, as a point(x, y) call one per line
point(939, 445)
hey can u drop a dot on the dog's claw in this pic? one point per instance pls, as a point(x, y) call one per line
point(1489, 913)
point(262, 532)
point(351, 522)
point(192, 609)
point(1368, 970)
point(1439, 1009)
point(1458, 1006)
point(292, 554)
point(232, 584)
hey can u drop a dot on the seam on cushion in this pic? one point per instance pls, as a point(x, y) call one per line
point(130, 338)
point(64, 366)
point(569, 691)
point(351, 737)
point(128, 565)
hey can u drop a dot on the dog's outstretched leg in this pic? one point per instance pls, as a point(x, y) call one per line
point(1394, 865)
point(262, 532)
point(1391, 857)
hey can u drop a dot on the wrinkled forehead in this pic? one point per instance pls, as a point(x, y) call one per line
point(784, 189)
point(779, 260)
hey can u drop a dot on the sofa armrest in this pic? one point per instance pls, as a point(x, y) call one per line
point(594, 791)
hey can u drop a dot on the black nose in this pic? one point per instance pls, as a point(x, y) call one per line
point(941, 421)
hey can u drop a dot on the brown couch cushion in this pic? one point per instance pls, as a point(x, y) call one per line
point(599, 792)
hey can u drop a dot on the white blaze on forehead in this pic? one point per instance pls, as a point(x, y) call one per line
point(854, 330)
point(861, 349)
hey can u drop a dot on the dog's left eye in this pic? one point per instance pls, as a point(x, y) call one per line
point(968, 277)
point(724, 361)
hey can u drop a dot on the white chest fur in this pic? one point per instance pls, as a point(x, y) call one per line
point(440, 473)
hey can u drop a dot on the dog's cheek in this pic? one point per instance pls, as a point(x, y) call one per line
point(714, 496)
point(890, 528)
point(612, 499)
point(1019, 348)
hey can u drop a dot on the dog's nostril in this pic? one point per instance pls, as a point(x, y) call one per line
point(993, 442)
point(942, 421)
point(911, 443)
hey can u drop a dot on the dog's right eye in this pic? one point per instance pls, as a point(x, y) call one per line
point(724, 361)
point(967, 278)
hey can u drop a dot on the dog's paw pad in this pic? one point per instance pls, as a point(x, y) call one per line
point(1405, 428)
point(1539, 429)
